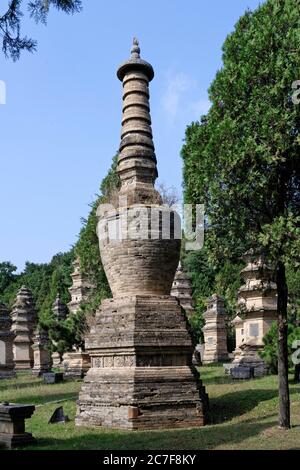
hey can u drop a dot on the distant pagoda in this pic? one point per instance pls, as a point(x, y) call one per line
point(59, 309)
point(80, 287)
point(257, 304)
point(24, 321)
point(7, 366)
point(182, 290)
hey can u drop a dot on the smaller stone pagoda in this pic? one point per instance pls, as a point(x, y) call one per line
point(257, 300)
point(215, 332)
point(182, 290)
point(59, 309)
point(7, 366)
point(80, 288)
point(41, 354)
point(24, 321)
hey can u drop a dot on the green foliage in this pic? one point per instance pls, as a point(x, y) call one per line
point(207, 279)
point(242, 159)
point(11, 20)
point(270, 351)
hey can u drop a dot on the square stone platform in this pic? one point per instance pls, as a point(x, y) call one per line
point(142, 376)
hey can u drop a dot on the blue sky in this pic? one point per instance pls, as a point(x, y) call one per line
point(60, 126)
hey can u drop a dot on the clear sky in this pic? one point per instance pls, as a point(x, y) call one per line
point(60, 126)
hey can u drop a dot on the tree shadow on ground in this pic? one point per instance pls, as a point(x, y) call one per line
point(208, 437)
point(231, 405)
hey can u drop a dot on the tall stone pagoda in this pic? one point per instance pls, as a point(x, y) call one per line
point(257, 301)
point(215, 332)
point(41, 353)
point(79, 289)
point(182, 290)
point(7, 366)
point(24, 320)
point(142, 375)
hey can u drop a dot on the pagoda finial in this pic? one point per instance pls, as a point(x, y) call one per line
point(135, 50)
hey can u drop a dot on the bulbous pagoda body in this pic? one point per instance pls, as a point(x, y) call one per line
point(142, 375)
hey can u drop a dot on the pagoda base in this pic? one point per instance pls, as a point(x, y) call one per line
point(248, 356)
point(142, 375)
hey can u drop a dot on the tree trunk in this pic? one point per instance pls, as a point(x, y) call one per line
point(284, 396)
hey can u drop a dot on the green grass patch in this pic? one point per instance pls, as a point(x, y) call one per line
point(243, 415)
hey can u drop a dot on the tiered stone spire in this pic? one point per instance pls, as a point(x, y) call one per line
point(257, 303)
point(137, 160)
point(182, 290)
point(79, 289)
point(7, 367)
point(142, 375)
point(59, 309)
point(24, 320)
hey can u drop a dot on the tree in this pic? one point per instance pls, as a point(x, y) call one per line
point(242, 159)
point(7, 275)
point(10, 23)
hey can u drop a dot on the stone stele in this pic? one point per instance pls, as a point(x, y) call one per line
point(7, 366)
point(142, 375)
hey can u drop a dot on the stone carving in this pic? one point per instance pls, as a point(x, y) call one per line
point(24, 320)
point(215, 333)
point(257, 302)
point(7, 366)
point(158, 387)
point(41, 353)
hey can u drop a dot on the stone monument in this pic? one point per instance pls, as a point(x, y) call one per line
point(7, 366)
point(59, 309)
point(24, 320)
point(41, 353)
point(80, 287)
point(182, 290)
point(257, 301)
point(142, 375)
point(215, 332)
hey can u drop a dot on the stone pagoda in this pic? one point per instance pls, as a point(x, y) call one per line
point(80, 287)
point(182, 290)
point(257, 303)
point(59, 309)
point(7, 366)
point(215, 332)
point(41, 354)
point(24, 321)
point(142, 375)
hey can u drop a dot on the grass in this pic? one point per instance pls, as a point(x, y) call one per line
point(243, 415)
